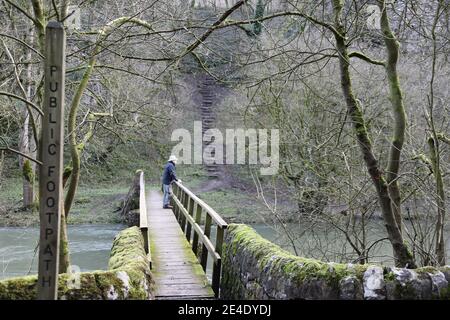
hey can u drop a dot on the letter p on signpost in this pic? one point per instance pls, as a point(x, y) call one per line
point(51, 155)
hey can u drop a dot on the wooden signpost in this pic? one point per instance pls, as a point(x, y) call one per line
point(51, 155)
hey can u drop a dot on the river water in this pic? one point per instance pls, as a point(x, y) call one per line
point(90, 246)
point(327, 243)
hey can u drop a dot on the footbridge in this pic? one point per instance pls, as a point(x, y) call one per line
point(184, 244)
point(190, 252)
point(195, 254)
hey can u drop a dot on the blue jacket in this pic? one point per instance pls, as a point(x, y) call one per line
point(169, 174)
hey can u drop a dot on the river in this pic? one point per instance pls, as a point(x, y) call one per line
point(90, 246)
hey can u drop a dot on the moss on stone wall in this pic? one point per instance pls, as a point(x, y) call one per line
point(128, 276)
point(128, 255)
point(23, 288)
point(254, 268)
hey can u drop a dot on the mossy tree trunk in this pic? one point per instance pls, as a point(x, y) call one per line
point(25, 164)
point(28, 175)
point(440, 201)
point(64, 256)
point(26, 136)
point(434, 147)
point(402, 256)
point(398, 110)
point(29, 179)
point(259, 13)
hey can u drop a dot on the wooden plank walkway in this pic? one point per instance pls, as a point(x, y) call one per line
point(176, 270)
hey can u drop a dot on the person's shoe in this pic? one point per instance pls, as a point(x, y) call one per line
point(168, 207)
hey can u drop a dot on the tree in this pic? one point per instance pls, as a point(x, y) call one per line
point(345, 20)
point(115, 33)
point(386, 184)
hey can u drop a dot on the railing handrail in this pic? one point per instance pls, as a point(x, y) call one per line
point(184, 202)
point(214, 215)
point(205, 240)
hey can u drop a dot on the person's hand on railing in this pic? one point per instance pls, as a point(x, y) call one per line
point(179, 181)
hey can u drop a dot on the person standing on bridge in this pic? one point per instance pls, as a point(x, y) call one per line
point(169, 176)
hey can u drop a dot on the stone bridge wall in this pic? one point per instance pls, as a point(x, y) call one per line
point(128, 276)
point(254, 268)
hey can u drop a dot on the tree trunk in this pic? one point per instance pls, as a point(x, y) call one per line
point(440, 201)
point(25, 164)
point(2, 163)
point(26, 137)
point(398, 109)
point(402, 256)
point(434, 147)
point(64, 258)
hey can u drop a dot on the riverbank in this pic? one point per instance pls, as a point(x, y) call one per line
point(100, 203)
point(233, 195)
point(236, 200)
point(97, 204)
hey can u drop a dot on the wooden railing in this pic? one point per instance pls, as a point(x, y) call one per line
point(136, 201)
point(143, 218)
point(189, 209)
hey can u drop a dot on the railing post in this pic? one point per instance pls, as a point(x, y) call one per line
point(144, 232)
point(191, 213)
point(175, 191)
point(172, 202)
point(198, 218)
point(218, 264)
point(180, 198)
point(207, 233)
point(185, 205)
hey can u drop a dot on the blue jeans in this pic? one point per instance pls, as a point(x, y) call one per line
point(166, 189)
